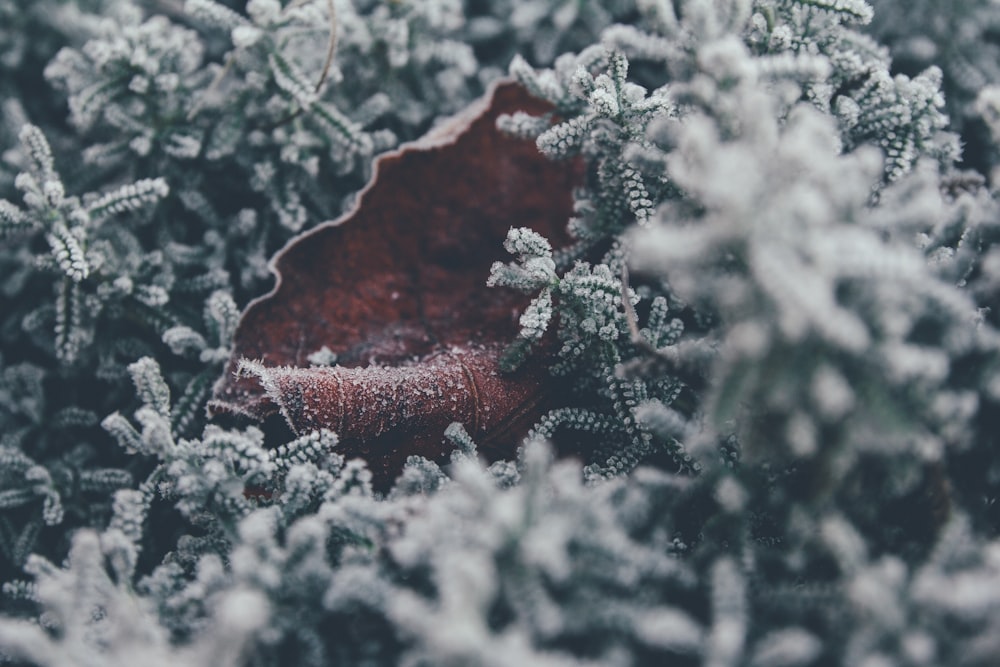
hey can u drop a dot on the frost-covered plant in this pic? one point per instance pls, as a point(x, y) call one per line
point(807, 281)
point(198, 107)
point(218, 478)
point(539, 568)
point(92, 272)
point(705, 71)
point(958, 37)
point(401, 586)
point(72, 270)
point(776, 324)
point(94, 616)
point(542, 31)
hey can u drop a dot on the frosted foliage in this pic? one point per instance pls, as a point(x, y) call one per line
point(772, 321)
point(953, 37)
point(745, 99)
point(151, 59)
point(522, 559)
point(735, 182)
point(100, 621)
point(781, 270)
point(451, 629)
point(902, 114)
point(90, 271)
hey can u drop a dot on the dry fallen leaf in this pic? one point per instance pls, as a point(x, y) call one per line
point(396, 290)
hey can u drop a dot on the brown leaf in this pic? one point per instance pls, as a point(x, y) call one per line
point(396, 288)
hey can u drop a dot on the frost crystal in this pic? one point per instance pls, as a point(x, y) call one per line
point(769, 336)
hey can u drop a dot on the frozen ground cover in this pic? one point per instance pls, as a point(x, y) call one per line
point(765, 329)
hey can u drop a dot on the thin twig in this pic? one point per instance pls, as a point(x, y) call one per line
point(331, 45)
point(215, 83)
point(331, 50)
point(632, 319)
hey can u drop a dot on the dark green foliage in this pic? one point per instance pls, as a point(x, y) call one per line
point(777, 326)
